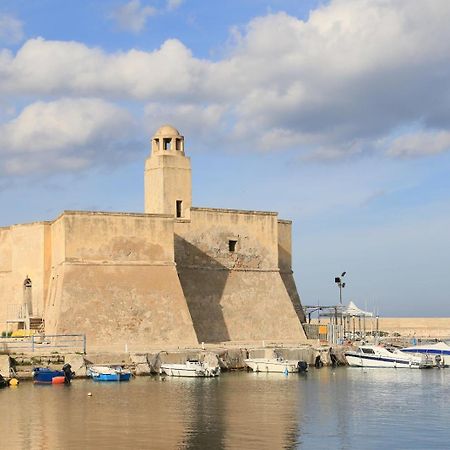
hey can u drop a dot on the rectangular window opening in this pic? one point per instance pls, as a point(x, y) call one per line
point(179, 208)
point(166, 143)
point(232, 245)
point(177, 144)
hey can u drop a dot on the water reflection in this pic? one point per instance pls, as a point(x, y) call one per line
point(343, 408)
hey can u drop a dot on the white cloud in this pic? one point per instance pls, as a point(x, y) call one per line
point(173, 4)
point(349, 76)
point(11, 29)
point(133, 16)
point(422, 143)
point(65, 134)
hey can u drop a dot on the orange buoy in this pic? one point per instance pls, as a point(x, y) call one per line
point(58, 380)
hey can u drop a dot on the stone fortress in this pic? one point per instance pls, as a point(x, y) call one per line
point(176, 275)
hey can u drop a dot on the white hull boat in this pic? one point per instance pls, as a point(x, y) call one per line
point(278, 365)
point(439, 352)
point(191, 368)
point(377, 356)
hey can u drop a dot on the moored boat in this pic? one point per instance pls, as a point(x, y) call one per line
point(439, 352)
point(277, 365)
point(191, 368)
point(44, 375)
point(107, 373)
point(377, 356)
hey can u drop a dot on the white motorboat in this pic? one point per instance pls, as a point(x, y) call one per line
point(279, 365)
point(191, 368)
point(379, 356)
point(439, 352)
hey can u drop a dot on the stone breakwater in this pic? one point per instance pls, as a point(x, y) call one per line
point(149, 363)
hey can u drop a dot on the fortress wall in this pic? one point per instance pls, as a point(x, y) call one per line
point(29, 246)
point(210, 230)
point(240, 295)
point(104, 237)
point(117, 282)
point(239, 305)
point(285, 265)
point(5, 274)
point(114, 305)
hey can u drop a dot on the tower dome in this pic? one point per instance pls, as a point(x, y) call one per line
point(167, 130)
point(168, 140)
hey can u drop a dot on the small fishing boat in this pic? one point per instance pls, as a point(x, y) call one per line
point(378, 356)
point(107, 373)
point(276, 365)
point(44, 375)
point(191, 368)
point(438, 351)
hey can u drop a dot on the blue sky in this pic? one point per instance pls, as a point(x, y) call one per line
point(336, 114)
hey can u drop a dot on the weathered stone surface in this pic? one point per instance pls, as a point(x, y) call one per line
point(140, 363)
point(77, 363)
point(4, 366)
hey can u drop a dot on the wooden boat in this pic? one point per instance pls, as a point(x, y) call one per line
point(107, 373)
point(191, 368)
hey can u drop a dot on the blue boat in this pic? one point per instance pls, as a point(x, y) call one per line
point(106, 373)
point(44, 375)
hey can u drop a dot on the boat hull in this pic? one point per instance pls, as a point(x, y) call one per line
point(47, 376)
point(188, 370)
point(439, 352)
point(381, 362)
point(108, 374)
point(267, 365)
point(106, 377)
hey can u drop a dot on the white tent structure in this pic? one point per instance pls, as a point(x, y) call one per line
point(353, 311)
point(354, 320)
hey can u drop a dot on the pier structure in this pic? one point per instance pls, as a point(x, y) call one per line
point(173, 275)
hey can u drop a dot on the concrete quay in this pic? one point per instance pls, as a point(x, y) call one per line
point(146, 363)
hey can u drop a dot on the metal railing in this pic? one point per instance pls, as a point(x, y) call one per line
point(44, 342)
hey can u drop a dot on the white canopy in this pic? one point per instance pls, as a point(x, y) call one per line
point(353, 311)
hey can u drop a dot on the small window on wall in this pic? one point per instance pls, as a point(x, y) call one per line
point(166, 143)
point(232, 245)
point(177, 144)
point(157, 143)
point(179, 208)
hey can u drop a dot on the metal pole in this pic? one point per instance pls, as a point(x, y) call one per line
point(340, 293)
point(84, 343)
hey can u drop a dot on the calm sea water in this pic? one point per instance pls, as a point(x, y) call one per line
point(345, 408)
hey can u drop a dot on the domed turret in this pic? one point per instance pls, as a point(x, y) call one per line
point(167, 139)
point(168, 184)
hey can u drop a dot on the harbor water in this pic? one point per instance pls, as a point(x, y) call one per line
point(343, 408)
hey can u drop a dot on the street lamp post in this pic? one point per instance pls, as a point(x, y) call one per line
point(341, 285)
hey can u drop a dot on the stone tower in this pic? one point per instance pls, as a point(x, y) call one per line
point(168, 179)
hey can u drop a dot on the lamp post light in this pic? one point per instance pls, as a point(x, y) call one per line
point(341, 285)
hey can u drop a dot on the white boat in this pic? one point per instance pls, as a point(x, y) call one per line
point(191, 368)
point(439, 352)
point(279, 365)
point(379, 356)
